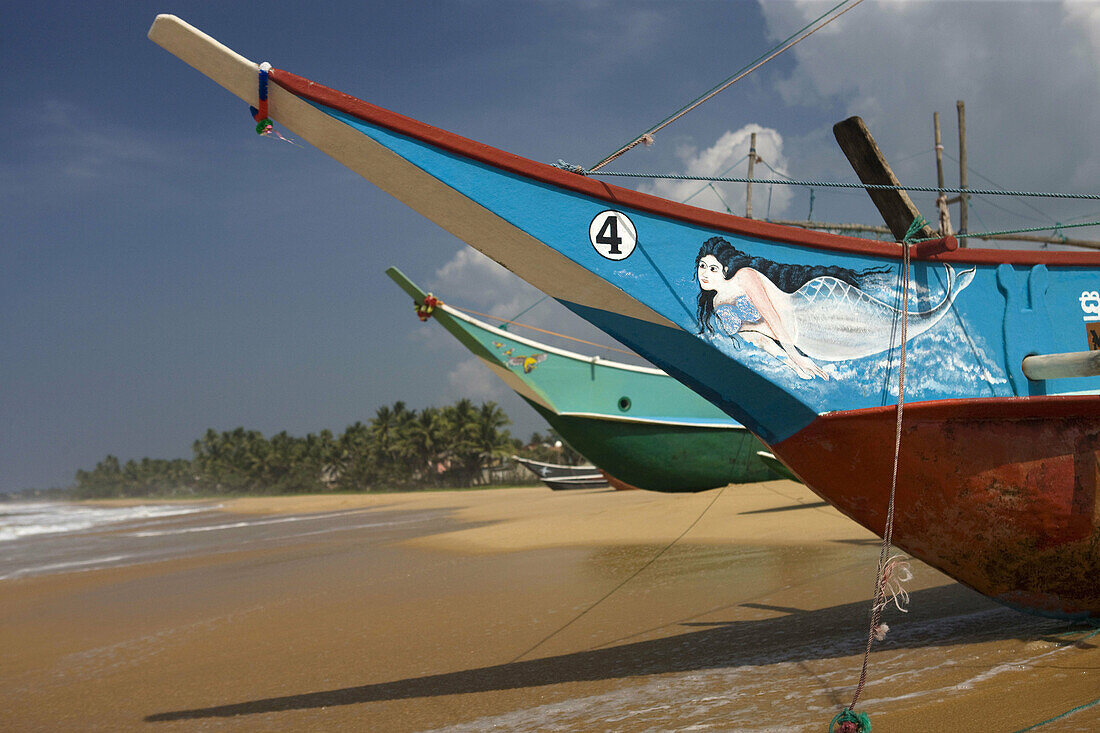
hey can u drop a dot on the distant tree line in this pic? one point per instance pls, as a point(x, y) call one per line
point(454, 446)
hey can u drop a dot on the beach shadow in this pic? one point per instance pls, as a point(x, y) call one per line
point(789, 508)
point(939, 617)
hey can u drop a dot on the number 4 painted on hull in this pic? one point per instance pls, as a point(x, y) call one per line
point(613, 235)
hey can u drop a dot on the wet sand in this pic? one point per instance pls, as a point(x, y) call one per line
point(520, 610)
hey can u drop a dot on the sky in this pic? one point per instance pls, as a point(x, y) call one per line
point(164, 270)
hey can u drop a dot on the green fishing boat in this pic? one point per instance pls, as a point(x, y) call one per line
point(636, 423)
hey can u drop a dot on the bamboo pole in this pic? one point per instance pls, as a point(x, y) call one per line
point(964, 199)
point(939, 149)
point(748, 186)
point(827, 226)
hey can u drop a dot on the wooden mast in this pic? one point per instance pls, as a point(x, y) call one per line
point(897, 209)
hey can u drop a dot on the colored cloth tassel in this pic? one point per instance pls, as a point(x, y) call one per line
point(424, 310)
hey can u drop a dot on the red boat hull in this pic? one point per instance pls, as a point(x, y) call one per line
point(1000, 494)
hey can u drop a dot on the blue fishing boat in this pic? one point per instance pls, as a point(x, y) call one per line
point(795, 334)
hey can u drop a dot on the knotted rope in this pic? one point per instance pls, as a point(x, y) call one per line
point(264, 125)
point(892, 571)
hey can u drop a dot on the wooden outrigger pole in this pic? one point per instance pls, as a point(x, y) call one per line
point(1062, 366)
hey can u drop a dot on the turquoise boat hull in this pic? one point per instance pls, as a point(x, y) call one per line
point(998, 481)
point(636, 423)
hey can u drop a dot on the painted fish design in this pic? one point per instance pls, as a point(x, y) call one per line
point(835, 321)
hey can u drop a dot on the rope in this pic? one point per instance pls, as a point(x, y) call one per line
point(647, 137)
point(1066, 714)
point(614, 590)
point(867, 186)
point(879, 599)
point(264, 125)
point(516, 316)
point(541, 330)
point(727, 170)
point(1070, 712)
point(1057, 227)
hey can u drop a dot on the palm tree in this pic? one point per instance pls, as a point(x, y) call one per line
point(492, 440)
point(389, 429)
point(427, 438)
point(355, 466)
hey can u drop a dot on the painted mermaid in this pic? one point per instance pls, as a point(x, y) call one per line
point(802, 314)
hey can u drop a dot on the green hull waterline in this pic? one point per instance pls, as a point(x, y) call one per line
point(669, 458)
point(638, 424)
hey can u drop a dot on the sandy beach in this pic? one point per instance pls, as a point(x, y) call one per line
point(517, 610)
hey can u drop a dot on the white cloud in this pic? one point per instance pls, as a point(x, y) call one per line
point(85, 148)
point(728, 156)
point(1028, 73)
point(473, 379)
point(472, 280)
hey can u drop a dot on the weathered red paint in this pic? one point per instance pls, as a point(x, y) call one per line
point(1000, 494)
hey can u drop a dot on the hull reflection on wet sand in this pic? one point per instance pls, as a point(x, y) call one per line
point(471, 617)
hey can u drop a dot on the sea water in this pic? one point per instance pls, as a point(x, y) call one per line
point(44, 537)
point(23, 519)
point(41, 538)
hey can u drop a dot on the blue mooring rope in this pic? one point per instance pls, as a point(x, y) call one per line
point(837, 184)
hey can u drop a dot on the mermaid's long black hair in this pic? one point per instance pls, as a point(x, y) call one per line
point(787, 278)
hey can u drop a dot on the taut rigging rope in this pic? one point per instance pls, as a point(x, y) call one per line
point(797, 37)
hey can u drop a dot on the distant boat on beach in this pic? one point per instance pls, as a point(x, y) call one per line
point(560, 477)
point(795, 334)
point(636, 423)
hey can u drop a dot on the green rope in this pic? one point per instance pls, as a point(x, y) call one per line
point(727, 170)
point(915, 226)
point(504, 326)
point(1055, 228)
point(1068, 713)
point(860, 720)
point(867, 186)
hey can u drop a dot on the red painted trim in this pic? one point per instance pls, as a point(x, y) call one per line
point(662, 207)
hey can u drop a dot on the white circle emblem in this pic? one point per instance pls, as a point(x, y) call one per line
point(613, 235)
